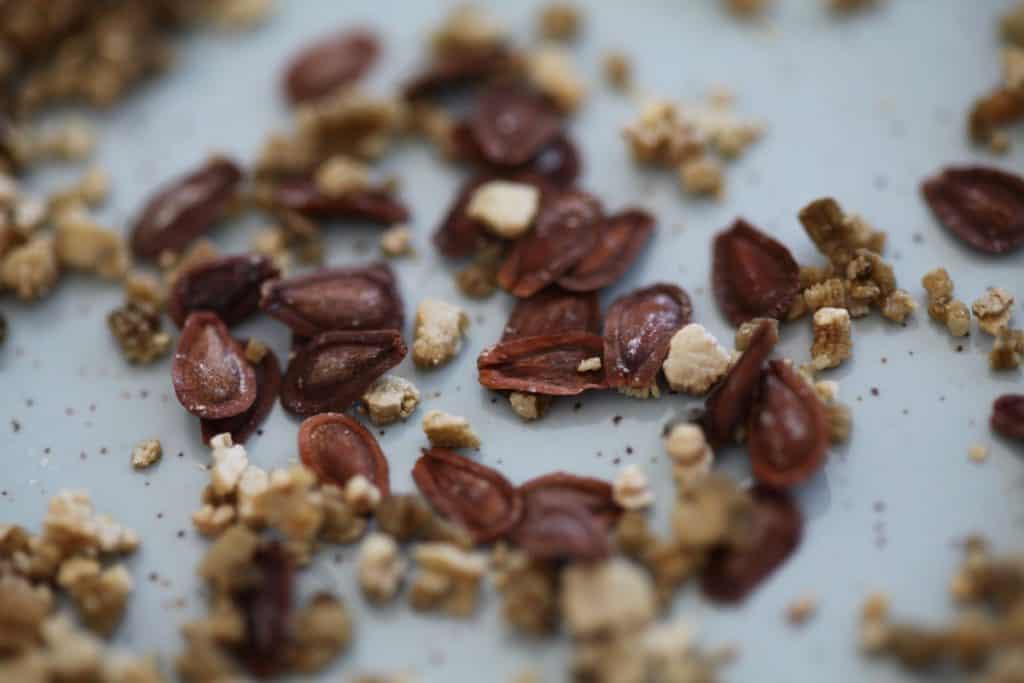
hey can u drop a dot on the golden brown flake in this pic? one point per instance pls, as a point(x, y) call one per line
point(99, 594)
point(31, 270)
point(1012, 24)
point(661, 136)
point(321, 630)
point(381, 568)
point(631, 489)
point(341, 175)
point(702, 176)
point(618, 71)
point(479, 279)
point(396, 242)
point(529, 591)
point(466, 29)
point(1007, 350)
point(449, 431)
point(136, 328)
point(146, 453)
point(830, 293)
point(801, 610)
point(832, 343)
point(560, 21)
point(993, 310)
point(746, 9)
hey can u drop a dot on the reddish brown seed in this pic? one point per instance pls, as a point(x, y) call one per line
point(593, 494)
point(542, 365)
point(457, 70)
point(330, 63)
point(468, 493)
point(185, 209)
point(776, 526)
point(301, 194)
point(638, 328)
point(620, 240)
point(511, 124)
point(211, 377)
point(334, 369)
point(266, 609)
point(752, 275)
point(564, 232)
point(1008, 416)
point(728, 404)
point(337, 448)
point(229, 287)
point(788, 433)
point(360, 298)
point(554, 528)
point(241, 426)
point(558, 162)
point(982, 205)
point(553, 311)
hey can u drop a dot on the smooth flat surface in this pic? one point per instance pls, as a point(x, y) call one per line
point(861, 109)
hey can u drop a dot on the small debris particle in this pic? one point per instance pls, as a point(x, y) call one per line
point(978, 453)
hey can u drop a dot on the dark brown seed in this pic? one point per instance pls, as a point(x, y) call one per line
point(242, 426)
point(334, 369)
point(458, 235)
point(301, 194)
point(330, 63)
point(1008, 416)
point(468, 493)
point(229, 287)
point(753, 276)
point(593, 494)
point(553, 311)
point(558, 162)
point(360, 298)
point(185, 209)
point(337, 448)
point(638, 328)
point(542, 365)
point(553, 528)
point(620, 240)
point(511, 124)
point(776, 526)
point(564, 232)
point(981, 205)
point(211, 377)
point(788, 431)
point(266, 608)
point(728, 404)
point(457, 70)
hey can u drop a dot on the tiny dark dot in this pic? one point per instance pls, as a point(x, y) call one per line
point(92, 407)
point(494, 399)
point(600, 454)
point(879, 506)
point(143, 393)
point(906, 411)
point(382, 432)
point(577, 405)
point(881, 182)
point(82, 455)
point(629, 450)
point(437, 394)
point(259, 432)
point(917, 238)
point(153, 576)
point(46, 450)
point(3, 493)
point(617, 419)
point(884, 359)
point(942, 399)
point(181, 533)
point(69, 411)
point(616, 461)
point(159, 515)
point(181, 454)
point(29, 402)
point(874, 391)
point(860, 398)
point(910, 353)
point(959, 348)
point(146, 483)
point(103, 450)
point(16, 426)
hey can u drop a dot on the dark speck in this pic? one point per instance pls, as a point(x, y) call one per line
point(46, 450)
point(879, 506)
point(881, 182)
point(259, 432)
point(959, 348)
point(494, 399)
point(617, 419)
point(874, 391)
point(16, 426)
point(437, 394)
point(69, 411)
point(143, 393)
point(616, 461)
point(82, 455)
point(146, 483)
point(181, 533)
point(577, 405)
point(29, 402)
point(159, 515)
point(181, 454)
point(884, 360)
point(103, 450)
point(629, 450)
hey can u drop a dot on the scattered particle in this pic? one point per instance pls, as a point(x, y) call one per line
point(874, 391)
point(617, 419)
point(16, 426)
point(978, 453)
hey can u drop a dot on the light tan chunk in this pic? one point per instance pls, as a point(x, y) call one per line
point(898, 305)
point(173, 265)
point(528, 406)
point(661, 136)
point(589, 364)
point(559, 21)
point(958, 318)
point(631, 490)
point(292, 506)
point(830, 293)
point(1007, 350)
point(552, 71)
point(31, 270)
point(146, 453)
point(361, 495)
point(627, 601)
point(978, 453)
point(391, 398)
point(229, 462)
point(1013, 68)
point(321, 630)
point(801, 610)
point(255, 351)
point(145, 290)
point(342, 175)
point(239, 15)
point(448, 579)
point(213, 520)
point(692, 457)
point(396, 241)
point(438, 332)
point(449, 431)
point(618, 71)
point(381, 568)
point(695, 360)
point(702, 176)
point(251, 485)
point(1011, 24)
point(468, 28)
point(100, 595)
point(832, 343)
point(437, 126)
point(993, 310)
point(74, 526)
point(506, 208)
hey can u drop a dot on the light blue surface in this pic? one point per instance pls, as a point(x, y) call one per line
point(861, 109)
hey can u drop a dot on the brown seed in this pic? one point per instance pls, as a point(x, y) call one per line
point(638, 329)
point(266, 608)
point(302, 195)
point(564, 232)
point(593, 494)
point(360, 298)
point(776, 525)
point(330, 63)
point(511, 124)
point(337, 448)
point(621, 238)
point(468, 493)
point(212, 379)
point(334, 369)
point(241, 426)
point(1008, 416)
point(457, 70)
point(728, 404)
point(556, 529)
point(185, 209)
point(788, 432)
point(557, 162)
point(229, 287)
point(553, 311)
point(981, 205)
point(544, 365)
point(753, 276)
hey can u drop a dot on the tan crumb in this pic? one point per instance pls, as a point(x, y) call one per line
point(1000, 142)
point(468, 28)
point(958, 318)
point(695, 360)
point(292, 506)
point(173, 265)
point(212, 520)
point(617, 70)
point(146, 453)
point(390, 398)
point(631, 490)
point(692, 457)
point(628, 603)
point(239, 15)
point(439, 329)
point(850, 5)
point(396, 242)
point(702, 176)
point(479, 279)
point(978, 453)
point(830, 293)
point(381, 568)
point(1011, 24)
point(99, 594)
point(91, 189)
point(840, 422)
point(341, 521)
point(840, 236)
point(942, 307)
point(137, 329)
point(801, 610)
point(361, 495)
point(342, 175)
point(72, 524)
point(591, 364)
point(1007, 350)
point(993, 310)
point(229, 462)
point(559, 21)
point(1013, 68)
point(144, 289)
point(255, 350)
point(437, 126)
point(746, 331)
point(447, 578)
point(321, 630)
point(642, 393)
point(661, 136)
point(449, 431)
point(551, 70)
point(30, 270)
point(746, 8)
point(898, 305)
point(272, 242)
point(507, 208)
point(528, 406)
point(832, 343)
